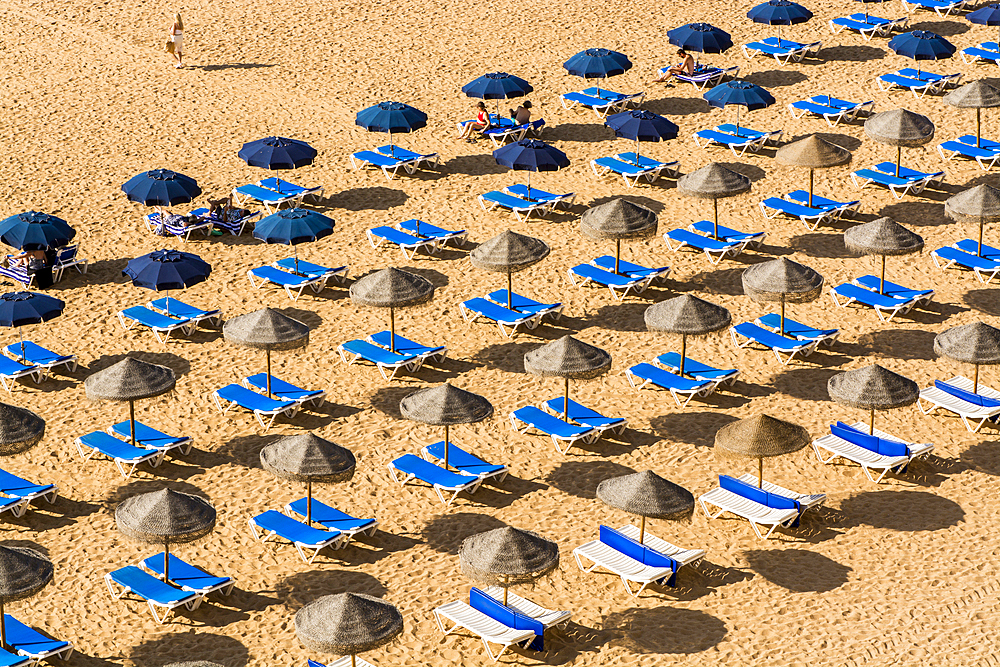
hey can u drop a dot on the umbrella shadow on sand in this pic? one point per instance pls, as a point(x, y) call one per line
point(176, 363)
point(298, 590)
point(798, 570)
point(665, 630)
point(379, 198)
point(445, 533)
point(983, 300)
point(983, 456)
point(904, 344)
point(692, 428)
point(853, 53)
point(191, 645)
point(943, 28)
point(580, 478)
point(903, 511)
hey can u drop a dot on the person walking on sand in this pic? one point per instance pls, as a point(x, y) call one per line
point(176, 36)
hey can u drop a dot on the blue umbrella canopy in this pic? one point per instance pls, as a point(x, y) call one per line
point(740, 93)
point(640, 125)
point(167, 270)
point(35, 231)
point(598, 64)
point(988, 15)
point(277, 153)
point(497, 86)
point(391, 117)
point(20, 308)
point(922, 45)
point(779, 13)
point(700, 37)
point(530, 155)
point(161, 187)
point(292, 226)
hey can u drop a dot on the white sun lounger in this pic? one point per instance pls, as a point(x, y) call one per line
point(729, 497)
point(806, 500)
point(868, 459)
point(973, 415)
point(547, 617)
point(622, 555)
point(489, 630)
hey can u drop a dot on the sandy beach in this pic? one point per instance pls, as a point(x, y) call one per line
point(899, 573)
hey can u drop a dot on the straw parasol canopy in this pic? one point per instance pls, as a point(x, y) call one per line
point(882, 237)
point(20, 429)
point(715, 182)
point(784, 281)
point(873, 388)
point(506, 556)
point(445, 405)
point(267, 330)
point(760, 437)
point(618, 219)
point(979, 204)
point(308, 458)
point(812, 153)
point(130, 380)
point(686, 315)
point(570, 359)
point(647, 495)
point(509, 252)
point(23, 572)
point(392, 288)
point(976, 95)
point(900, 128)
point(347, 624)
point(977, 343)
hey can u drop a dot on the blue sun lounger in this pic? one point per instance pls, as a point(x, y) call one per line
point(236, 226)
point(11, 370)
point(619, 285)
point(269, 199)
point(727, 234)
point(715, 250)
point(769, 137)
point(501, 133)
point(523, 304)
point(8, 659)
point(758, 506)
point(584, 416)
point(530, 418)
point(940, 7)
point(746, 333)
point(868, 26)
point(261, 406)
point(272, 524)
point(838, 208)
point(16, 506)
point(811, 217)
point(291, 189)
point(607, 262)
point(285, 391)
point(602, 102)
point(390, 166)
point(179, 309)
point(666, 169)
point(36, 355)
point(301, 267)
point(831, 109)
point(293, 284)
point(409, 467)
point(737, 144)
point(697, 370)
point(428, 231)
point(521, 208)
point(972, 246)
point(122, 453)
point(332, 519)
point(464, 462)
point(407, 347)
point(183, 232)
point(681, 388)
point(875, 451)
point(149, 438)
point(919, 296)
point(388, 363)
point(189, 577)
point(704, 76)
point(985, 269)
point(983, 53)
point(416, 160)
point(158, 595)
point(408, 243)
point(540, 196)
point(631, 173)
point(161, 325)
point(13, 486)
point(628, 99)
point(798, 330)
point(506, 320)
point(986, 158)
point(30, 643)
point(885, 306)
point(909, 181)
point(784, 52)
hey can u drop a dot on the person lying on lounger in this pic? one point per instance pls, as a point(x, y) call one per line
point(686, 66)
point(225, 210)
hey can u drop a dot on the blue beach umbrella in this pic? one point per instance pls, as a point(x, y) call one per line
point(922, 45)
point(163, 270)
point(161, 187)
point(292, 226)
point(18, 309)
point(740, 93)
point(988, 15)
point(640, 125)
point(497, 86)
point(598, 64)
point(35, 231)
point(391, 117)
point(530, 155)
point(700, 37)
point(276, 153)
point(779, 13)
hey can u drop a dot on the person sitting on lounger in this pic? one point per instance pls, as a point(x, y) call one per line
point(522, 114)
point(481, 123)
point(225, 210)
point(686, 66)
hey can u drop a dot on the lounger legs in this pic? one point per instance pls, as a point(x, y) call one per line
point(489, 651)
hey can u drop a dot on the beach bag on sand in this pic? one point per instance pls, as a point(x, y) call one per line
point(170, 45)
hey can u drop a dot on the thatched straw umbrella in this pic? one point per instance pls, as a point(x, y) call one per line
point(23, 572)
point(977, 343)
point(686, 315)
point(347, 624)
point(509, 252)
point(872, 388)
point(392, 288)
point(812, 153)
point(130, 380)
point(714, 182)
point(267, 330)
point(308, 458)
point(758, 438)
point(900, 128)
point(782, 280)
point(882, 237)
point(618, 219)
point(647, 495)
point(570, 359)
point(445, 405)
point(979, 204)
point(976, 95)
point(20, 429)
point(507, 556)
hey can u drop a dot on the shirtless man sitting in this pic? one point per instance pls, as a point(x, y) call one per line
point(686, 66)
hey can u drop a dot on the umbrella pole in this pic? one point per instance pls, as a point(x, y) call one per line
point(21, 334)
point(309, 502)
point(642, 529)
point(881, 285)
point(871, 421)
point(618, 253)
point(810, 188)
point(131, 421)
point(566, 400)
point(979, 126)
point(392, 149)
point(268, 352)
point(166, 561)
point(505, 584)
point(684, 344)
point(3, 628)
point(715, 209)
point(295, 251)
point(637, 150)
point(737, 119)
point(392, 329)
point(899, 157)
point(509, 292)
point(978, 252)
point(782, 329)
point(760, 472)
point(353, 663)
point(975, 381)
point(529, 184)
point(446, 446)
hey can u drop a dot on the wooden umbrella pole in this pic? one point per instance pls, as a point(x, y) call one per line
point(642, 530)
point(871, 421)
point(684, 344)
point(268, 352)
point(618, 253)
point(760, 472)
point(446, 446)
point(166, 562)
point(309, 502)
point(566, 402)
point(392, 329)
point(510, 282)
point(810, 188)
point(975, 381)
point(881, 285)
point(715, 210)
point(131, 421)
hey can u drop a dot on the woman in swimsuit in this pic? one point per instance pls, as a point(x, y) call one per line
point(176, 36)
point(481, 122)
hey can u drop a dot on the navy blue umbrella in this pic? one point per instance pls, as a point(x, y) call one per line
point(988, 15)
point(497, 86)
point(598, 64)
point(35, 231)
point(740, 93)
point(700, 37)
point(391, 117)
point(922, 45)
point(20, 308)
point(779, 13)
point(161, 187)
point(163, 270)
point(640, 125)
point(277, 153)
point(292, 226)
point(530, 155)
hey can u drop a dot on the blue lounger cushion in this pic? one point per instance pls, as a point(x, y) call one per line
point(802, 197)
point(153, 319)
point(330, 517)
point(870, 298)
point(149, 587)
point(263, 194)
point(523, 304)
point(967, 396)
point(666, 379)
point(251, 400)
point(496, 312)
point(891, 289)
point(393, 151)
point(795, 329)
point(188, 577)
point(286, 188)
point(463, 461)
point(768, 338)
point(29, 642)
point(702, 242)
point(36, 355)
point(396, 237)
point(179, 309)
point(639, 552)
point(646, 162)
point(11, 368)
point(279, 277)
point(726, 139)
point(960, 257)
point(511, 202)
point(8, 659)
point(12, 485)
point(482, 602)
point(797, 210)
point(284, 391)
point(405, 346)
point(548, 424)
point(521, 190)
point(114, 448)
point(294, 531)
point(621, 167)
point(375, 354)
point(727, 234)
point(607, 262)
point(432, 474)
point(872, 443)
point(147, 436)
point(308, 269)
point(605, 94)
point(427, 230)
point(905, 172)
point(750, 492)
point(606, 278)
point(583, 415)
point(965, 245)
point(695, 369)
point(588, 100)
point(379, 160)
